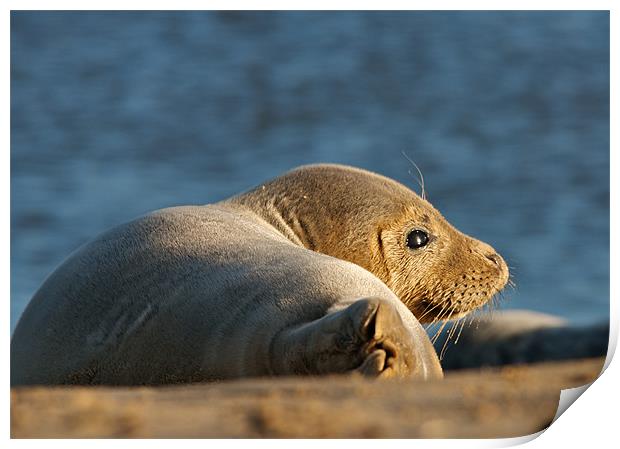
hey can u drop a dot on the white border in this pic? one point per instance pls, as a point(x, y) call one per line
point(592, 420)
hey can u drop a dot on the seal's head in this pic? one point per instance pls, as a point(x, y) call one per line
point(381, 225)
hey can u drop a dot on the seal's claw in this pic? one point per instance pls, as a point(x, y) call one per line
point(374, 364)
point(388, 342)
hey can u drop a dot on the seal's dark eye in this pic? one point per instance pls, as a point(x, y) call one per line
point(417, 239)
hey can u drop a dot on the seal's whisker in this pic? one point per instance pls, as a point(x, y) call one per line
point(458, 323)
point(436, 336)
point(490, 306)
point(437, 332)
point(503, 296)
point(445, 343)
point(477, 318)
point(471, 317)
point(438, 316)
point(426, 312)
point(431, 326)
point(421, 180)
point(446, 310)
point(441, 304)
point(498, 300)
point(463, 321)
point(448, 337)
point(493, 303)
point(453, 328)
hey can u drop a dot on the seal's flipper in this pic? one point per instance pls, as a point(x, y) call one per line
point(391, 349)
point(368, 336)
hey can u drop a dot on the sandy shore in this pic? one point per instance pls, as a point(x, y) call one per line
point(504, 402)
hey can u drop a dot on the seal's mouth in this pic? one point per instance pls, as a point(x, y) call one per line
point(423, 310)
point(461, 300)
point(448, 326)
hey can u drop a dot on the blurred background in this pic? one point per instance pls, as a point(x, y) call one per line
point(506, 114)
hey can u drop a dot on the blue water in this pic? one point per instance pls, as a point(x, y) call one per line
point(507, 115)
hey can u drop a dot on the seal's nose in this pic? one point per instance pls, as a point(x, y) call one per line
point(489, 253)
point(498, 263)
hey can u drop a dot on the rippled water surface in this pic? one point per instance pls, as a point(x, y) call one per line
point(507, 115)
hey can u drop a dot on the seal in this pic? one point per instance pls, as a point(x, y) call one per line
point(326, 269)
point(523, 336)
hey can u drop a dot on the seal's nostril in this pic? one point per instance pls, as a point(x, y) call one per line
point(494, 258)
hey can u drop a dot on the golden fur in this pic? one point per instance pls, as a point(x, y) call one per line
point(364, 218)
